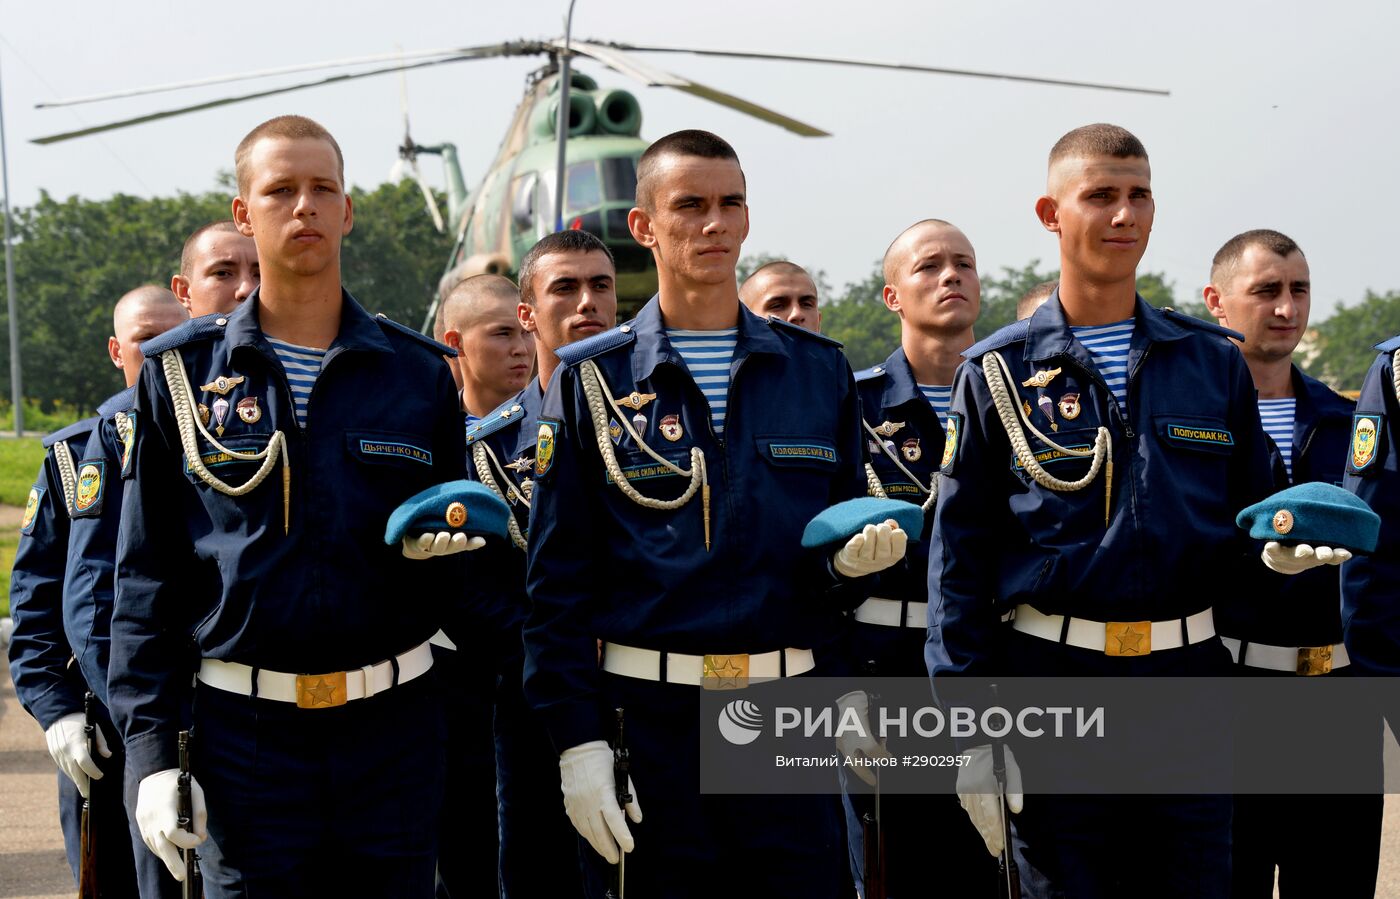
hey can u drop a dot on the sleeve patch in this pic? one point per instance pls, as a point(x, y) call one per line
point(950, 441)
point(31, 509)
point(125, 423)
point(92, 482)
point(1366, 433)
point(544, 447)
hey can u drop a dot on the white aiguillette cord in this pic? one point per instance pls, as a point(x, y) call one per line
point(1013, 418)
point(188, 423)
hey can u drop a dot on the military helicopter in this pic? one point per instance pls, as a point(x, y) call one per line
point(565, 131)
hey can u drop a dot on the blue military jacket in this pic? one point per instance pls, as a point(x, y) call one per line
point(46, 685)
point(892, 403)
point(498, 569)
point(1302, 609)
point(602, 566)
point(1370, 583)
point(89, 582)
point(328, 594)
point(1188, 454)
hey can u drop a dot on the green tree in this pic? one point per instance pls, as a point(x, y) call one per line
point(861, 321)
point(1000, 295)
point(74, 258)
point(1340, 349)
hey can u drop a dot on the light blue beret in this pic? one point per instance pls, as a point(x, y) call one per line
point(461, 507)
point(843, 521)
point(1314, 513)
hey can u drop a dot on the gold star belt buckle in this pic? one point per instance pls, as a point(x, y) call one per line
point(1127, 638)
point(321, 691)
point(727, 672)
point(1314, 660)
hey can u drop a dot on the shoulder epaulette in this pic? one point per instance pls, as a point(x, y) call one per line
point(871, 373)
point(589, 347)
point(1181, 318)
point(999, 338)
point(201, 328)
point(508, 413)
point(76, 429)
point(389, 324)
point(117, 402)
point(798, 329)
point(1389, 346)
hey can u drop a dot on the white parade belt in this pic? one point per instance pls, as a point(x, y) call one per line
point(1115, 638)
point(720, 670)
point(1305, 660)
point(892, 613)
point(318, 691)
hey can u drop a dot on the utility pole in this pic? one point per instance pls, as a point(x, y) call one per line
point(563, 127)
point(16, 391)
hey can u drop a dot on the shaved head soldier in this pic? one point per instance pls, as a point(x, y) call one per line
point(218, 269)
point(1261, 286)
point(495, 355)
point(783, 289)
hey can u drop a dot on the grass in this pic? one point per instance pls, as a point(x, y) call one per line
point(20, 459)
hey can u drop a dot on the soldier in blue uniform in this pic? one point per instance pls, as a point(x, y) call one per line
point(495, 355)
point(214, 273)
point(271, 446)
point(1261, 287)
point(1370, 614)
point(931, 283)
point(677, 461)
point(567, 293)
point(1096, 456)
point(47, 656)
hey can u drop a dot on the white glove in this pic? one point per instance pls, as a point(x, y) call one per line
point(853, 745)
point(443, 543)
point(68, 747)
point(1293, 559)
point(157, 814)
point(977, 791)
point(590, 799)
point(874, 549)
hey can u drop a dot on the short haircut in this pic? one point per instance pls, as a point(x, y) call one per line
point(464, 302)
point(292, 127)
point(888, 261)
point(680, 143)
point(147, 296)
point(778, 266)
point(1100, 139)
point(1227, 257)
point(1031, 299)
point(559, 242)
point(187, 252)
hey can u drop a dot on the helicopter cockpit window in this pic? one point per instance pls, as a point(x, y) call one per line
point(523, 202)
point(583, 188)
point(620, 178)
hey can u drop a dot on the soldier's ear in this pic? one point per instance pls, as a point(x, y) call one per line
point(891, 298)
point(240, 217)
point(1211, 294)
point(525, 314)
point(114, 352)
point(639, 223)
point(1048, 211)
point(180, 286)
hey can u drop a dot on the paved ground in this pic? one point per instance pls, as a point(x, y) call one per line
point(32, 865)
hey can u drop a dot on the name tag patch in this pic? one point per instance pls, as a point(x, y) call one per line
point(1188, 433)
point(403, 450)
point(801, 451)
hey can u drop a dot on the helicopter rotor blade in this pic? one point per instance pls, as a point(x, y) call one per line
point(612, 56)
point(498, 50)
point(505, 49)
point(428, 197)
point(893, 66)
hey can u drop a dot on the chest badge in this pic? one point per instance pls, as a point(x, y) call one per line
point(636, 400)
point(615, 431)
point(1069, 406)
point(1041, 378)
point(1047, 406)
point(222, 385)
point(671, 428)
point(639, 422)
point(204, 415)
point(888, 428)
point(521, 465)
point(1026, 407)
point(911, 449)
point(220, 413)
point(248, 410)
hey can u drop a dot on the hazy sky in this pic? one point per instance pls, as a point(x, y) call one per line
point(1281, 113)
